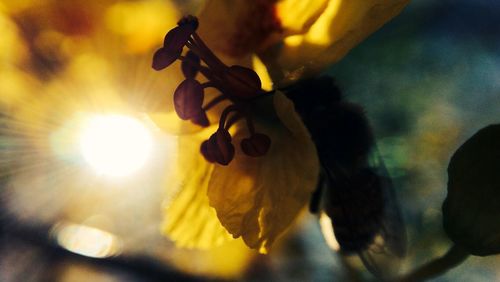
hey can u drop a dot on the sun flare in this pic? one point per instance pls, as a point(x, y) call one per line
point(115, 145)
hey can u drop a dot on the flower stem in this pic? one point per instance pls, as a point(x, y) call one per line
point(455, 256)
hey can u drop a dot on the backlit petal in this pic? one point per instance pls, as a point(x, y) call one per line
point(297, 16)
point(188, 219)
point(341, 26)
point(170, 123)
point(258, 198)
point(140, 24)
point(238, 28)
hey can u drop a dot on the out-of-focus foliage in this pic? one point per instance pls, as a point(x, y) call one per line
point(471, 210)
point(428, 81)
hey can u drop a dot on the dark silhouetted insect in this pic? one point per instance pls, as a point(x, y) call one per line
point(354, 188)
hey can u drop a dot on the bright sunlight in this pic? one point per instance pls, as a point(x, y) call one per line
point(115, 145)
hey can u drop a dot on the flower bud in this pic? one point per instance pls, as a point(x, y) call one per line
point(471, 211)
point(255, 146)
point(188, 99)
point(244, 82)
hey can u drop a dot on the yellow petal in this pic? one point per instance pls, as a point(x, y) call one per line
point(297, 16)
point(141, 24)
point(170, 122)
point(188, 219)
point(235, 29)
point(341, 26)
point(258, 198)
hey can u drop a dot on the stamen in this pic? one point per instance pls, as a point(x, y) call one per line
point(164, 58)
point(225, 113)
point(206, 153)
point(238, 84)
point(218, 148)
point(208, 84)
point(214, 102)
point(190, 64)
point(216, 86)
point(256, 145)
point(232, 120)
point(177, 37)
point(204, 57)
point(200, 119)
point(199, 42)
point(263, 94)
point(188, 99)
point(189, 20)
point(174, 42)
point(250, 126)
point(243, 81)
point(202, 69)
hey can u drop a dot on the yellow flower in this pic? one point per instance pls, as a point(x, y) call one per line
point(66, 61)
point(249, 175)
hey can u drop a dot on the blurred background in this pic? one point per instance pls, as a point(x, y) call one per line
point(428, 80)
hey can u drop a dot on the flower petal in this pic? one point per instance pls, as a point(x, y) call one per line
point(169, 122)
point(258, 198)
point(297, 16)
point(342, 25)
point(188, 219)
point(139, 23)
point(237, 28)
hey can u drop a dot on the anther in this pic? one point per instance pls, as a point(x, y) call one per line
point(256, 145)
point(238, 85)
point(224, 115)
point(190, 65)
point(218, 148)
point(200, 119)
point(188, 20)
point(214, 102)
point(209, 157)
point(243, 81)
point(188, 99)
point(174, 42)
point(164, 58)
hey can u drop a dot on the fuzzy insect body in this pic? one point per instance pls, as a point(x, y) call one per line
point(354, 188)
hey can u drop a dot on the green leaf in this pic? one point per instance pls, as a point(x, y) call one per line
point(471, 211)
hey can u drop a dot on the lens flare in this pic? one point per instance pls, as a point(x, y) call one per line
point(115, 145)
point(86, 240)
